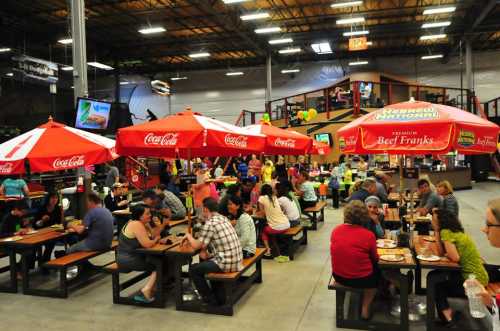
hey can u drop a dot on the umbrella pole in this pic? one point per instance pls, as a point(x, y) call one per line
point(189, 197)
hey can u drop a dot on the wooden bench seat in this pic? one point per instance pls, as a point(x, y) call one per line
point(232, 286)
point(312, 214)
point(347, 315)
point(177, 222)
point(294, 243)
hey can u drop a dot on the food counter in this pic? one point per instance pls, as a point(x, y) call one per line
point(460, 178)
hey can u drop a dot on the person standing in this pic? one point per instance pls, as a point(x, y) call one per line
point(347, 174)
point(112, 176)
point(267, 172)
point(14, 186)
point(281, 170)
point(225, 253)
point(255, 165)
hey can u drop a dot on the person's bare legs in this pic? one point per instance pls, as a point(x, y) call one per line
point(368, 296)
point(148, 289)
point(448, 314)
point(266, 245)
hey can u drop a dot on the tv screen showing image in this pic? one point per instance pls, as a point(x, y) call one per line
point(324, 138)
point(92, 114)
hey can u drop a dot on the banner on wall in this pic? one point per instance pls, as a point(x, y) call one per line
point(36, 69)
point(358, 44)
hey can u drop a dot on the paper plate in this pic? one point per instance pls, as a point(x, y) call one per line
point(392, 258)
point(32, 232)
point(386, 243)
point(15, 238)
point(431, 258)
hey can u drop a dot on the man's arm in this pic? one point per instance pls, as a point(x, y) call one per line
point(194, 243)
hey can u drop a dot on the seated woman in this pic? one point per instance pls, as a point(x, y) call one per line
point(287, 204)
point(376, 224)
point(305, 189)
point(450, 203)
point(354, 257)
point(277, 222)
point(50, 214)
point(245, 227)
point(134, 235)
point(458, 247)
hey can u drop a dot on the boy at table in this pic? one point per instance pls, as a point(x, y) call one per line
point(116, 199)
point(159, 211)
point(13, 222)
point(220, 250)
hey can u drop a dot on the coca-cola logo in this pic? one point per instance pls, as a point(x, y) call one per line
point(6, 168)
point(236, 141)
point(287, 143)
point(72, 162)
point(168, 139)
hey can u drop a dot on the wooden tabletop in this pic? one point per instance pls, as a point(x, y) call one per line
point(392, 215)
point(394, 196)
point(421, 244)
point(159, 249)
point(31, 195)
point(122, 212)
point(418, 219)
point(36, 239)
point(407, 263)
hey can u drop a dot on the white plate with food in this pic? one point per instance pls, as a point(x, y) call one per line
point(429, 258)
point(15, 238)
point(386, 243)
point(392, 257)
point(32, 232)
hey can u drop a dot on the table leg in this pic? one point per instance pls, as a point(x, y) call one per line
point(403, 297)
point(418, 281)
point(178, 281)
point(25, 271)
point(12, 287)
point(160, 292)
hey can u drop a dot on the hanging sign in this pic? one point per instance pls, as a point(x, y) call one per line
point(37, 69)
point(358, 44)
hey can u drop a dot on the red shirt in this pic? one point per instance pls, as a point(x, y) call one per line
point(353, 250)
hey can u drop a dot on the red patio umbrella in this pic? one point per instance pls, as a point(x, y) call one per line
point(54, 146)
point(417, 127)
point(319, 148)
point(188, 135)
point(280, 141)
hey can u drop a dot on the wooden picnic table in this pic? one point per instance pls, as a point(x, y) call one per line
point(31, 195)
point(395, 196)
point(27, 246)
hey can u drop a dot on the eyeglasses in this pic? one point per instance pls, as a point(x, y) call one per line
point(489, 225)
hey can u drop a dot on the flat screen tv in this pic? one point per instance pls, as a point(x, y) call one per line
point(324, 138)
point(92, 114)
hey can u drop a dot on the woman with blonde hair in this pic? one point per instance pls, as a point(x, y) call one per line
point(450, 203)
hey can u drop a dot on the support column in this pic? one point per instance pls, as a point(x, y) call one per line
point(79, 48)
point(269, 80)
point(468, 64)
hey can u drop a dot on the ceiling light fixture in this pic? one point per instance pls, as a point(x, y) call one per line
point(9, 74)
point(369, 43)
point(179, 78)
point(351, 20)
point(100, 65)
point(439, 10)
point(356, 33)
point(65, 41)
point(322, 48)
point(271, 29)
point(5, 49)
point(124, 83)
point(67, 68)
point(227, 2)
point(280, 41)
point(290, 50)
point(433, 36)
point(289, 71)
point(234, 73)
point(199, 55)
point(254, 16)
point(358, 63)
point(346, 4)
point(430, 57)
point(152, 30)
point(435, 24)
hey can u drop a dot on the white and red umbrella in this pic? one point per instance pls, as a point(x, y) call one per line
point(188, 135)
point(319, 148)
point(54, 146)
point(280, 141)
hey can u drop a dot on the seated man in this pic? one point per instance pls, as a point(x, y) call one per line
point(172, 202)
point(13, 222)
point(159, 212)
point(116, 200)
point(225, 253)
point(428, 198)
point(97, 227)
point(368, 187)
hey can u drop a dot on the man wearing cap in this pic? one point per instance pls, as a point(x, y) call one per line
point(116, 200)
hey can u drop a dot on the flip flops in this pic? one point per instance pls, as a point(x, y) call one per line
point(142, 298)
point(282, 259)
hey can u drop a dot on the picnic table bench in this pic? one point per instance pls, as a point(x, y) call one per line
point(312, 214)
point(293, 243)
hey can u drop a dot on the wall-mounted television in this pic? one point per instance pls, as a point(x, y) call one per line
point(324, 138)
point(92, 114)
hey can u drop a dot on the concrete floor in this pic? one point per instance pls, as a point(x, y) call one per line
point(293, 296)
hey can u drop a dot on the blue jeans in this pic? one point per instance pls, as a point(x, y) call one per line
point(80, 246)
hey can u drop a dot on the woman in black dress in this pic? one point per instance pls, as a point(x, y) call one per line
point(50, 214)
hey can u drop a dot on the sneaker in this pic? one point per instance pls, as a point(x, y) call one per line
point(71, 273)
point(282, 259)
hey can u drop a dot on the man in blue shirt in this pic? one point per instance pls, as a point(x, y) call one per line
point(97, 227)
point(369, 187)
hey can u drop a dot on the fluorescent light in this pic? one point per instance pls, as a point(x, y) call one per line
point(5, 49)
point(254, 16)
point(435, 24)
point(270, 29)
point(355, 33)
point(289, 71)
point(439, 10)
point(152, 29)
point(358, 63)
point(234, 73)
point(100, 65)
point(322, 48)
point(280, 41)
point(65, 41)
point(179, 78)
point(233, 1)
point(9, 74)
point(351, 20)
point(290, 50)
point(430, 57)
point(198, 55)
point(433, 36)
point(346, 4)
point(369, 43)
point(124, 83)
point(67, 68)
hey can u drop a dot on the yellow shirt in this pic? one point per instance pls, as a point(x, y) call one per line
point(267, 173)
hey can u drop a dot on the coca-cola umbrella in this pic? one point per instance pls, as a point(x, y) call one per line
point(188, 135)
point(319, 148)
point(280, 141)
point(54, 146)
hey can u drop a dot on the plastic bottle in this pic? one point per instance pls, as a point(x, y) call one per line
point(472, 290)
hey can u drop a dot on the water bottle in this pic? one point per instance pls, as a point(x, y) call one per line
point(472, 289)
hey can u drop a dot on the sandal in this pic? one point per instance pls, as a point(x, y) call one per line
point(142, 298)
